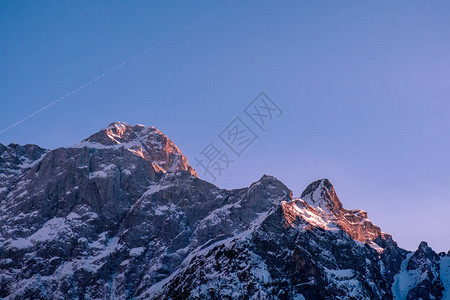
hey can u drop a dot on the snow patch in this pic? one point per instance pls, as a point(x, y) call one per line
point(136, 251)
point(49, 230)
point(376, 247)
point(20, 244)
point(103, 172)
point(404, 281)
point(445, 276)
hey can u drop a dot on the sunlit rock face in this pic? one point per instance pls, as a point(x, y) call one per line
point(147, 142)
point(322, 196)
point(123, 215)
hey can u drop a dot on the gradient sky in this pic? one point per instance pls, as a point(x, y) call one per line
point(364, 87)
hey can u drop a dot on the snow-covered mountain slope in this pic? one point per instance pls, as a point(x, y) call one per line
point(293, 249)
point(122, 215)
point(419, 276)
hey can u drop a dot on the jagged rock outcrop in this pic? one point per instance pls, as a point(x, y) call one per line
point(321, 195)
point(123, 215)
point(426, 263)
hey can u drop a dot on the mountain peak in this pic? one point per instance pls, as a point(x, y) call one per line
point(272, 183)
point(147, 142)
point(423, 245)
point(425, 248)
point(121, 133)
point(321, 194)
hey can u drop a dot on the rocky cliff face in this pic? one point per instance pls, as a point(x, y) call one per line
point(123, 215)
point(16, 160)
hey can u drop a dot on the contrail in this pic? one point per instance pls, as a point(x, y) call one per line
point(64, 97)
point(92, 81)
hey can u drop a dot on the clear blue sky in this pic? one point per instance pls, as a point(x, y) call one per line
point(364, 86)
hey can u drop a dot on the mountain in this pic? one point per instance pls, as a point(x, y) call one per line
point(122, 215)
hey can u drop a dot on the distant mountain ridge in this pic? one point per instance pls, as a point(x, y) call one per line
point(122, 215)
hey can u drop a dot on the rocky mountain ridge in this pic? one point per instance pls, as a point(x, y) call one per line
point(123, 215)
